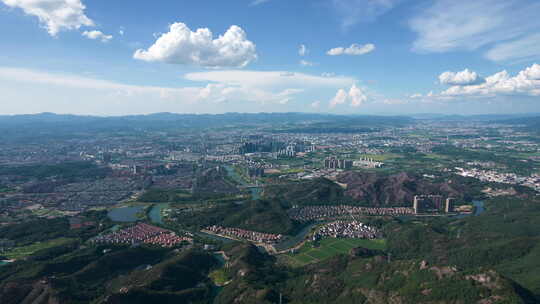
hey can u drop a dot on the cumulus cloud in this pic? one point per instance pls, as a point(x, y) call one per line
point(183, 46)
point(526, 82)
point(302, 50)
point(351, 12)
point(464, 77)
point(356, 97)
point(94, 35)
point(306, 63)
point(354, 49)
point(340, 98)
point(506, 28)
point(54, 15)
point(532, 72)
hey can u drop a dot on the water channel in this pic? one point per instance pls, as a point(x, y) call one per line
point(4, 263)
point(295, 240)
point(255, 191)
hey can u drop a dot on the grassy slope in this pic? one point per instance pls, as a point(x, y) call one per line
point(328, 248)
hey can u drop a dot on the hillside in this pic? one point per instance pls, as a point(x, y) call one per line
point(121, 276)
point(357, 279)
point(180, 279)
point(393, 190)
point(491, 258)
point(314, 191)
point(262, 216)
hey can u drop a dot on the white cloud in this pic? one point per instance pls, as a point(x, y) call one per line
point(351, 12)
point(449, 25)
point(121, 31)
point(532, 72)
point(270, 79)
point(54, 15)
point(302, 50)
point(340, 98)
point(464, 77)
point(223, 93)
point(355, 96)
point(525, 48)
point(260, 87)
point(257, 2)
point(97, 35)
point(526, 82)
point(306, 63)
point(212, 92)
point(74, 81)
point(316, 104)
point(182, 46)
point(354, 49)
point(416, 95)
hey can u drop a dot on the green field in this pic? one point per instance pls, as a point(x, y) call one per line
point(47, 212)
point(21, 252)
point(381, 157)
point(219, 277)
point(328, 248)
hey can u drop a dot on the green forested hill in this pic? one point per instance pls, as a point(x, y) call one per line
point(494, 258)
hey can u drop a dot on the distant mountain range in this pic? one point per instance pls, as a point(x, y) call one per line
point(481, 117)
point(46, 124)
point(248, 117)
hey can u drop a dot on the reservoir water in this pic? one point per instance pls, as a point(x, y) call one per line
point(155, 213)
point(125, 214)
point(295, 240)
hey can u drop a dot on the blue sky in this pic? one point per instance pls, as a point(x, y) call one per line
point(387, 57)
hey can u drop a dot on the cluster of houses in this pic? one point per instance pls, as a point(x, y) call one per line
point(142, 233)
point(311, 213)
point(532, 181)
point(242, 234)
point(347, 229)
point(167, 240)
